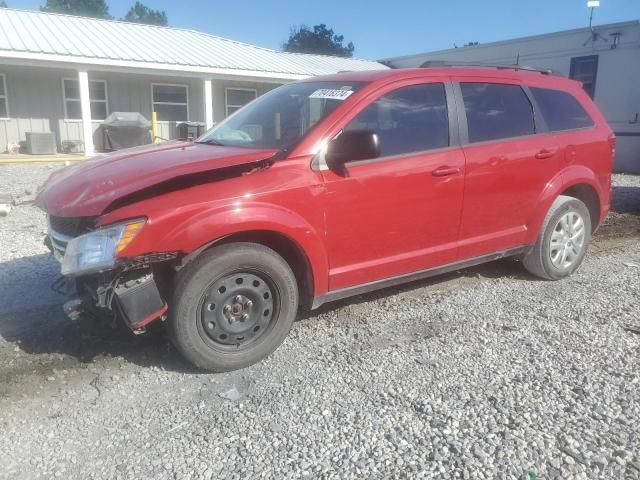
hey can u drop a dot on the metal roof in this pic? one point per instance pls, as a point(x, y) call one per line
point(54, 37)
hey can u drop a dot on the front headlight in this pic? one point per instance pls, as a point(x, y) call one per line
point(96, 251)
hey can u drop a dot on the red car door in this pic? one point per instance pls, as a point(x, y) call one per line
point(398, 213)
point(510, 159)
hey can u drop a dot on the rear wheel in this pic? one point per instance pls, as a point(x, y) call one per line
point(233, 306)
point(563, 241)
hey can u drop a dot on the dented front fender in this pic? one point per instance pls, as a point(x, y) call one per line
point(186, 220)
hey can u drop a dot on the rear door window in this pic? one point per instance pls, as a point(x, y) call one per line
point(560, 109)
point(407, 120)
point(496, 111)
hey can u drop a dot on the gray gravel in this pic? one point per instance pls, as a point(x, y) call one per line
point(23, 256)
point(487, 373)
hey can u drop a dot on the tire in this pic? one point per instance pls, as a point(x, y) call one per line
point(215, 293)
point(560, 236)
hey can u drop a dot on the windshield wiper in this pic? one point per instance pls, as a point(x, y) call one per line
point(211, 141)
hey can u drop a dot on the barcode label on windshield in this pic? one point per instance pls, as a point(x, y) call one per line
point(331, 93)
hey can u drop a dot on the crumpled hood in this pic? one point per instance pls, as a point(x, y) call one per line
point(90, 186)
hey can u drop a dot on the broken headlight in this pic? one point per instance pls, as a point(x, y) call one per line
point(96, 251)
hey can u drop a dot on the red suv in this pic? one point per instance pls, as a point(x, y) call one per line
point(331, 187)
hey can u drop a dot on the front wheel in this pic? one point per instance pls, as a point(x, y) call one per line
point(563, 241)
point(233, 306)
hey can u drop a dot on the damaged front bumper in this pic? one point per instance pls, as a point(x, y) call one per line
point(130, 290)
point(134, 297)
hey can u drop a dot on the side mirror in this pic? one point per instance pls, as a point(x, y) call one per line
point(352, 145)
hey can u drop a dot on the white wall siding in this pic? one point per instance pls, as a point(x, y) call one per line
point(36, 102)
point(13, 129)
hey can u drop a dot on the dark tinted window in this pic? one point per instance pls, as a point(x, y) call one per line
point(410, 119)
point(560, 110)
point(496, 111)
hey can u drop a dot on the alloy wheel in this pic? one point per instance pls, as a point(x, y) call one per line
point(567, 240)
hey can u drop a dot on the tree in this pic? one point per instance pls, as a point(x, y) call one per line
point(3, 4)
point(140, 13)
point(83, 8)
point(321, 40)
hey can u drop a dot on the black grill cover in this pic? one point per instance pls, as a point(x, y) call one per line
point(124, 130)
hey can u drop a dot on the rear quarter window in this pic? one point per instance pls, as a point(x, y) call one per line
point(560, 109)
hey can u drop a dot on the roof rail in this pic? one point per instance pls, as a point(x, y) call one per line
point(444, 63)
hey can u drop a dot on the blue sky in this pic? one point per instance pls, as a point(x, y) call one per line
point(380, 28)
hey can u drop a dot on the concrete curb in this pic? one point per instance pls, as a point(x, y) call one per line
point(40, 160)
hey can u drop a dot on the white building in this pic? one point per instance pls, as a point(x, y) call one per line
point(606, 59)
point(62, 74)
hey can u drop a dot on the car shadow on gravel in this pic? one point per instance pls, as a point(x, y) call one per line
point(51, 340)
point(623, 223)
point(625, 200)
point(32, 321)
point(25, 283)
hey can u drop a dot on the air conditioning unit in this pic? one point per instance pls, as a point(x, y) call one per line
point(41, 143)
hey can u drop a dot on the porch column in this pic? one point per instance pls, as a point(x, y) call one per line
point(85, 107)
point(208, 104)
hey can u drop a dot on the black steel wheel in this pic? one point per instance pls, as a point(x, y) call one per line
point(232, 306)
point(238, 309)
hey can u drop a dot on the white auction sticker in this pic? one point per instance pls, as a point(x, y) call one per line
point(331, 93)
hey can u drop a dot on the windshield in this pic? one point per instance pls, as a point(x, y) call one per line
point(281, 117)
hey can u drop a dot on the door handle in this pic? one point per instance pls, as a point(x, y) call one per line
point(445, 171)
point(546, 153)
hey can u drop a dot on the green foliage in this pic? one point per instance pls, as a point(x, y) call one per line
point(83, 8)
point(140, 13)
point(321, 40)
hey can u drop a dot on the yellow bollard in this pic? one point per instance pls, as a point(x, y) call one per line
point(154, 127)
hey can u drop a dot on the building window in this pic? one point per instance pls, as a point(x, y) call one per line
point(236, 98)
point(496, 111)
point(170, 102)
point(4, 103)
point(97, 96)
point(585, 70)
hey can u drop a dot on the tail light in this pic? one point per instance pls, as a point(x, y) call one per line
point(612, 144)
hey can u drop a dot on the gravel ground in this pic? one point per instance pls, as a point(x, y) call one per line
point(487, 373)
